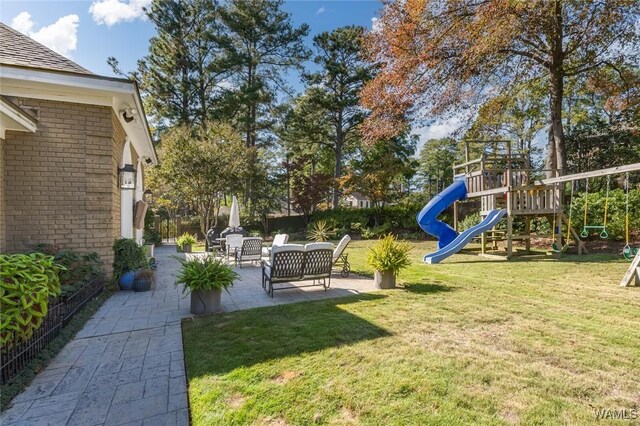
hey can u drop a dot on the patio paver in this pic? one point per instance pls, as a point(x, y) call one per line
point(126, 366)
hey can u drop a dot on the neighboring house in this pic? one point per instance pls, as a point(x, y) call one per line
point(65, 136)
point(357, 201)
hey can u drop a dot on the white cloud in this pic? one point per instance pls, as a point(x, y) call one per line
point(375, 24)
point(22, 23)
point(111, 12)
point(61, 36)
point(321, 10)
point(438, 130)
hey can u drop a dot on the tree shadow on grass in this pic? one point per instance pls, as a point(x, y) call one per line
point(223, 343)
point(427, 288)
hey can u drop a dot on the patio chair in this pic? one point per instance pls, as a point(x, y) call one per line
point(251, 250)
point(212, 241)
point(232, 242)
point(340, 257)
point(318, 261)
point(278, 240)
point(285, 264)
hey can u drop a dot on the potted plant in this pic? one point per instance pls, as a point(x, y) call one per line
point(144, 277)
point(388, 256)
point(205, 277)
point(128, 257)
point(185, 241)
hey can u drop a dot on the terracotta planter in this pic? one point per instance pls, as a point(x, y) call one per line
point(384, 279)
point(206, 302)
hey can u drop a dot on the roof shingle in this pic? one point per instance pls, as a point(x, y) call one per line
point(19, 49)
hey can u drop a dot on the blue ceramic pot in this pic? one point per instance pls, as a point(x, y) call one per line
point(126, 281)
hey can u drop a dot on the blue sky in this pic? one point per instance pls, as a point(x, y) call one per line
point(89, 31)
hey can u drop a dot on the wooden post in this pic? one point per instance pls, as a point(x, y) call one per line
point(527, 230)
point(483, 241)
point(509, 225)
point(631, 272)
point(455, 216)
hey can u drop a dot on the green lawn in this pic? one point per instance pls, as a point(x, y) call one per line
point(468, 341)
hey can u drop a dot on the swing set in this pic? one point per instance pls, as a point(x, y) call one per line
point(628, 252)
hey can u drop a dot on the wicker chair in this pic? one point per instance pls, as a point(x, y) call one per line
point(251, 250)
point(340, 258)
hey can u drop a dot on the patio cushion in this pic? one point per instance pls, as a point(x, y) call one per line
point(340, 247)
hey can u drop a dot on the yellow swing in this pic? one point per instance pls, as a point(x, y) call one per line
point(628, 252)
point(554, 231)
point(602, 228)
point(565, 247)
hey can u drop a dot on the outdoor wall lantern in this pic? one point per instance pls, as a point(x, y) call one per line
point(127, 177)
point(147, 196)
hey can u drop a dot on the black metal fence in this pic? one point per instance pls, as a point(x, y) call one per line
point(14, 359)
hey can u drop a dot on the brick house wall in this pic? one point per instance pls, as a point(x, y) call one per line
point(2, 203)
point(61, 183)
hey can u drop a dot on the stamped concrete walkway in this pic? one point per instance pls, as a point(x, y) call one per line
point(126, 366)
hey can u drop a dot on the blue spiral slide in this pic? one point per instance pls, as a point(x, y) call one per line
point(449, 242)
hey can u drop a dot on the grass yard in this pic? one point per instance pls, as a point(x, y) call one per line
point(469, 341)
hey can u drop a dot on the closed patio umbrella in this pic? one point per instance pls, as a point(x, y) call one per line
point(234, 216)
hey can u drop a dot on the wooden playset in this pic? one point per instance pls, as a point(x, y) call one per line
point(503, 178)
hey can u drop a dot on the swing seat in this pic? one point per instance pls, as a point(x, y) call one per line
point(555, 248)
point(629, 252)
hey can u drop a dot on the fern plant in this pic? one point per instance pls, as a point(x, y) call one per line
point(205, 273)
point(389, 254)
point(320, 231)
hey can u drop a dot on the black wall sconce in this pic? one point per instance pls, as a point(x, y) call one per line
point(127, 177)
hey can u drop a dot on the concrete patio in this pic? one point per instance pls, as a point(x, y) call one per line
point(126, 366)
point(247, 292)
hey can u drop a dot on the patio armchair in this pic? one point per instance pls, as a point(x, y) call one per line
point(340, 258)
point(293, 262)
point(251, 250)
point(211, 239)
point(232, 242)
point(278, 240)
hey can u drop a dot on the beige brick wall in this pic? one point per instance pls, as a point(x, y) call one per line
point(61, 182)
point(2, 202)
point(117, 139)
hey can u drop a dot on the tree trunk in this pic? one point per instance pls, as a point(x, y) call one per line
point(337, 171)
point(552, 159)
point(556, 81)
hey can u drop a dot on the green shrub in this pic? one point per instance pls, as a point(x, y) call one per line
point(80, 269)
point(152, 237)
point(128, 256)
point(469, 220)
point(615, 214)
point(27, 282)
point(389, 254)
point(149, 220)
point(205, 273)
